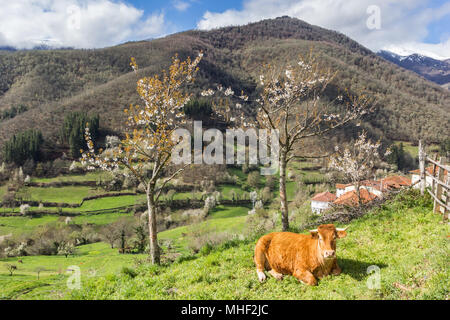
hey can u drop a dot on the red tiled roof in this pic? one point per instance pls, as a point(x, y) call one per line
point(351, 198)
point(342, 186)
point(371, 183)
point(393, 182)
point(430, 171)
point(396, 182)
point(324, 197)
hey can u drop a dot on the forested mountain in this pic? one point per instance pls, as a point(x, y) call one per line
point(434, 70)
point(49, 84)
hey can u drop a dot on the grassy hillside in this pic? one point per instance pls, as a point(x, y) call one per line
point(52, 83)
point(403, 238)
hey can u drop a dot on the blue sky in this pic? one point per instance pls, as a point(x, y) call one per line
point(402, 26)
point(185, 19)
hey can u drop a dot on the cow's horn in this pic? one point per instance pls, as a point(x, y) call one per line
point(314, 231)
point(341, 229)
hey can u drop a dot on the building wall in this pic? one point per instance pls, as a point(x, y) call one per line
point(416, 177)
point(339, 192)
point(319, 206)
point(376, 192)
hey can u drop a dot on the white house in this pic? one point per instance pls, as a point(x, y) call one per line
point(322, 202)
point(375, 187)
point(343, 188)
point(429, 181)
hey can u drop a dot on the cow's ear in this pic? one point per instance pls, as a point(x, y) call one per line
point(314, 233)
point(341, 233)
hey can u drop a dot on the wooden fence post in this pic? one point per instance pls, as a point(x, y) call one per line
point(437, 207)
point(422, 168)
point(434, 173)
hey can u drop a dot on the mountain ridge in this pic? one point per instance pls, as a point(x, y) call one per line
point(437, 71)
point(52, 83)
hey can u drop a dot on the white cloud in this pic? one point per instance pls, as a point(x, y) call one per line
point(181, 5)
point(74, 23)
point(403, 22)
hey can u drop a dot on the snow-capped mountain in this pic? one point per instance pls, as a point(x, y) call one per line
point(434, 70)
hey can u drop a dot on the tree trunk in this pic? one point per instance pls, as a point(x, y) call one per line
point(358, 193)
point(153, 235)
point(283, 196)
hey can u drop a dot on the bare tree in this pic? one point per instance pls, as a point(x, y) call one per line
point(291, 103)
point(11, 268)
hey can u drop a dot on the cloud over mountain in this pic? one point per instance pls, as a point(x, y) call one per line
point(402, 22)
point(74, 23)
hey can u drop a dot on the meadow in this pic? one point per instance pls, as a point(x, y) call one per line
point(403, 238)
point(405, 227)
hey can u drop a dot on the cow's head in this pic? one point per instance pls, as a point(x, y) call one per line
point(327, 235)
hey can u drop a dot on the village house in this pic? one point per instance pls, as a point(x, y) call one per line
point(346, 193)
point(375, 187)
point(351, 198)
point(322, 202)
point(429, 181)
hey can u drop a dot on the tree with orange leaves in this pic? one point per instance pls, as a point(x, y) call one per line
point(147, 148)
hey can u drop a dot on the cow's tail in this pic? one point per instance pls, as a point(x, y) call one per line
point(260, 257)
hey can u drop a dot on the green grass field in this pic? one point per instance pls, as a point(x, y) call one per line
point(222, 219)
point(71, 195)
point(93, 260)
point(403, 238)
point(406, 242)
point(408, 147)
point(20, 225)
point(90, 176)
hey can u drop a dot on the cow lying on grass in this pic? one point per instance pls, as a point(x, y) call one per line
point(306, 257)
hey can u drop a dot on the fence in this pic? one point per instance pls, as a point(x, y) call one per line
point(435, 180)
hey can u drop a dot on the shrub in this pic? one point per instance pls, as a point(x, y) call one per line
point(11, 268)
point(271, 182)
point(210, 203)
point(254, 179)
point(259, 223)
point(9, 200)
point(24, 209)
point(112, 142)
point(113, 181)
point(76, 167)
point(129, 272)
point(194, 215)
point(266, 195)
point(198, 109)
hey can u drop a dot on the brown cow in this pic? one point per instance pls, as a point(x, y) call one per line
point(306, 257)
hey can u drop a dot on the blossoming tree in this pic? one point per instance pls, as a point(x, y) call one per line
point(357, 160)
point(147, 148)
point(290, 102)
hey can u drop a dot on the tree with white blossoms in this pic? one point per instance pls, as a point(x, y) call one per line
point(290, 103)
point(357, 160)
point(147, 148)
